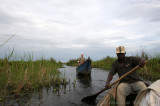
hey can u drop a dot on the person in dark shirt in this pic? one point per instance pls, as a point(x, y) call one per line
point(130, 83)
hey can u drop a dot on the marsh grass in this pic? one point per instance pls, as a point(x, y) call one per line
point(72, 62)
point(104, 63)
point(27, 75)
point(151, 70)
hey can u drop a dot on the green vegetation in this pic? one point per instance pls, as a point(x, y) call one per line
point(151, 70)
point(18, 75)
point(23, 76)
point(104, 63)
point(72, 62)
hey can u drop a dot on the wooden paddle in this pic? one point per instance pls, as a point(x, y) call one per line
point(93, 97)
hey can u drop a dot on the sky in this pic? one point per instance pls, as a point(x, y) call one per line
point(65, 29)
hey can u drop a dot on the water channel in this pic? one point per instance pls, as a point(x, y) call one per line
point(70, 94)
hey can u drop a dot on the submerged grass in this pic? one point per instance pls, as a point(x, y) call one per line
point(21, 76)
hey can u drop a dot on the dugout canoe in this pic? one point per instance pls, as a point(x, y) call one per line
point(110, 98)
point(84, 69)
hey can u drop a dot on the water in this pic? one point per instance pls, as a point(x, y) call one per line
point(69, 95)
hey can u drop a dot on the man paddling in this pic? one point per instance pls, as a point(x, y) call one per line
point(130, 83)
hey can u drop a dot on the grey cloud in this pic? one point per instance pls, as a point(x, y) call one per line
point(144, 11)
point(9, 19)
point(23, 43)
point(6, 18)
point(155, 20)
point(55, 28)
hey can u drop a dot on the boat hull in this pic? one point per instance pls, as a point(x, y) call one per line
point(84, 69)
point(110, 98)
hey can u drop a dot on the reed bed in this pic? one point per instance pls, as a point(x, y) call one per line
point(72, 62)
point(25, 76)
point(104, 63)
point(150, 71)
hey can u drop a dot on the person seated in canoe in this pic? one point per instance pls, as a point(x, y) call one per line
point(81, 60)
point(149, 96)
point(130, 83)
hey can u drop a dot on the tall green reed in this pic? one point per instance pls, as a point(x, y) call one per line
point(104, 63)
point(152, 69)
point(72, 62)
point(26, 74)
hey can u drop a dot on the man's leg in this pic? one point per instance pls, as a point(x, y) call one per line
point(123, 90)
point(138, 86)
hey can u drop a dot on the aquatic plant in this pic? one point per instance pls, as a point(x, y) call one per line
point(74, 82)
point(17, 76)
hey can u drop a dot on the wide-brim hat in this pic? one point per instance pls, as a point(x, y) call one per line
point(120, 49)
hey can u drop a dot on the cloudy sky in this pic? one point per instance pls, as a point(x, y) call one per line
point(63, 29)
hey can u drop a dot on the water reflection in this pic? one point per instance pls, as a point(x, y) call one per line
point(85, 81)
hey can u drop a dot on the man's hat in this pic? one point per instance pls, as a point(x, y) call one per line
point(120, 49)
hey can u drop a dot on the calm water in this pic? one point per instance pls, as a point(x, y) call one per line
point(69, 95)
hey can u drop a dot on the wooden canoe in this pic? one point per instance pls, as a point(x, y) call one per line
point(110, 98)
point(84, 69)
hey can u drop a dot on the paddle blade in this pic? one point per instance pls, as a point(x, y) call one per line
point(89, 98)
point(93, 97)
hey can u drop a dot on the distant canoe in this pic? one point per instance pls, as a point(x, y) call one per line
point(84, 69)
point(110, 98)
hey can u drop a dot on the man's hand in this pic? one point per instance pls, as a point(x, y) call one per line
point(107, 85)
point(142, 62)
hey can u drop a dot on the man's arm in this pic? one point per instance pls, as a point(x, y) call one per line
point(110, 76)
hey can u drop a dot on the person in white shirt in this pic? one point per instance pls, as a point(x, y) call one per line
point(81, 60)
